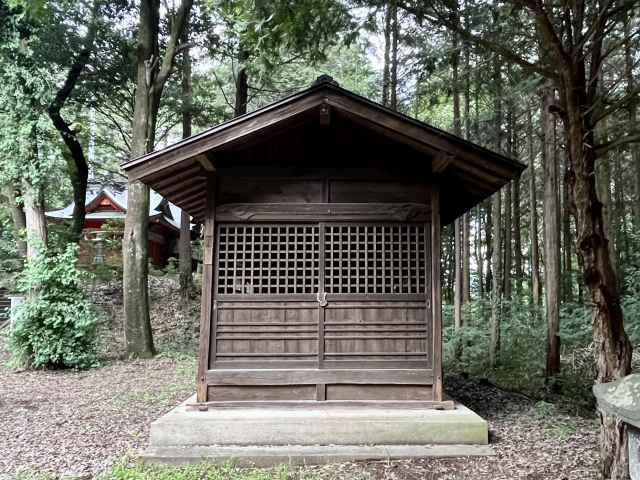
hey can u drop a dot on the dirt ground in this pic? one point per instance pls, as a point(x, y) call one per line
point(76, 424)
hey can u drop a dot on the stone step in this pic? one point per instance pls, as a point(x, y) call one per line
point(318, 425)
point(268, 456)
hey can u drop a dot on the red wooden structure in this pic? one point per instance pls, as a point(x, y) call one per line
point(106, 203)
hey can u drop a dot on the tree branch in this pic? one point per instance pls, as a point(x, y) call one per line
point(439, 19)
point(177, 27)
point(601, 149)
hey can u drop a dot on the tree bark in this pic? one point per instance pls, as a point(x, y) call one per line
point(533, 216)
point(184, 242)
point(517, 237)
point(496, 287)
point(33, 198)
point(488, 234)
point(551, 235)
point(386, 67)
point(150, 81)
point(35, 220)
point(612, 344)
point(458, 227)
point(478, 251)
point(496, 218)
point(242, 85)
point(18, 218)
point(508, 204)
point(393, 81)
point(618, 220)
point(466, 260)
point(567, 240)
point(507, 242)
point(466, 222)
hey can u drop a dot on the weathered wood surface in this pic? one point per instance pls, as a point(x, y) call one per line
point(292, 212)
point(436, 293)
point(419, 405)
point(206, 308)
point(314, 376)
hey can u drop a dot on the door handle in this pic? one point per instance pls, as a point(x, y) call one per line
point(322, 298)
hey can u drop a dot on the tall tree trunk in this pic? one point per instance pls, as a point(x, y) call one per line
point(551, 235)
point(496, 287)
point(242, 85)
point(33, 198)
point(613, 348)
point(496, 217)
point(386, 67)
point(533, 216)
point(466, 260)
point(507, 242)
point(393, 81)
point(457, 284)
point(466, 222)
point(35, 220)
point(457, 130)
point(618, 219)
point(151, 77)
point(603, 186)
point(508, 204)
point(517, 237)
point(18, 218)
point(567, 240)
point(478, 251)
point(488, 235)
point(184, 242)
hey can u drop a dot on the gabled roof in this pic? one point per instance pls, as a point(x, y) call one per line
point(468, 172)
point(159, 207)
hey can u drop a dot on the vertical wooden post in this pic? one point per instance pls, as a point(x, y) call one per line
point(208, 286)
point(436, 290)
point(321, 388)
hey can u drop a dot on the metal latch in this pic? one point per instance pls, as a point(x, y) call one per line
point(322, 298)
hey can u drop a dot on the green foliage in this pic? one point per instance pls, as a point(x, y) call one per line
point(56, 325)
point(128, 470)
point(631, 298)
point(522, 354)
point(112, 231)
point(172, 266)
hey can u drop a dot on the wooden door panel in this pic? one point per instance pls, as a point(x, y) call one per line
point(264, 332)
point(371, 331)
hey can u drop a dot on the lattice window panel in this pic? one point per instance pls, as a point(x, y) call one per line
point(369, 259)
point(268, 259)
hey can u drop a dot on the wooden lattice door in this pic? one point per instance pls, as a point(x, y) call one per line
point(323, 296)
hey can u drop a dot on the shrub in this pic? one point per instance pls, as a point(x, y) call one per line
point(56, 326)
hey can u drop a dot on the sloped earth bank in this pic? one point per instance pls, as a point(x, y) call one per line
point(79, 423)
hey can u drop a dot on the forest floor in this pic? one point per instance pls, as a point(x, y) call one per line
point(78, 424)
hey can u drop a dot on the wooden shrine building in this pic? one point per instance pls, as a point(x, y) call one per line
point(322, 215)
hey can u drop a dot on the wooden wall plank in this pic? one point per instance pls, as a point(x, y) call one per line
point(436, 292)
point(206, 308)
point(319, 376)
point(379, 392)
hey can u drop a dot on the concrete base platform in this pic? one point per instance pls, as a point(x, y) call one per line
point(317, 434)
point(268, 456)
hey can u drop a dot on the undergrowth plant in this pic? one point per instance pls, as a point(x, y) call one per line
point(56, 325)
